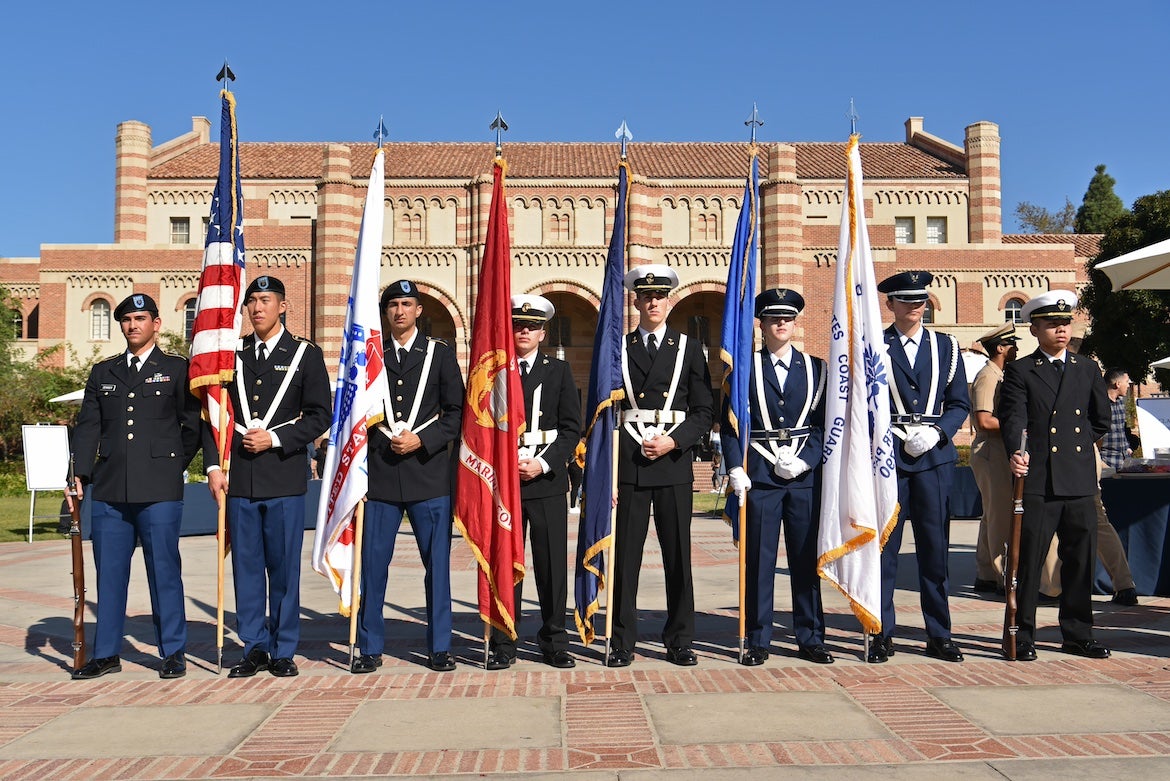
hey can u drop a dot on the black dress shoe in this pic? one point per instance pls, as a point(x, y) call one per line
point(1088, 648)
point(619, 658)
point(559, 659)
point(1025, 651)
point(283, 668)
point(499, 660)
point(96, 668)
point(943, 648)
point(174, 666)
point(817, 654)
point(683, 657)
point(754, 657)
point(985, 586)
point(1127, 597)
point(880, 650)
point(366, 663)
point(253, 662)
point(441, 662)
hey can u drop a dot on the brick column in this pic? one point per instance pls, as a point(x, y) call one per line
point(132, 147)
point(335, 242)
point(481, 209)
point(782, 236)
point(985, 210)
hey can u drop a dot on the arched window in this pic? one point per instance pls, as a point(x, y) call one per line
point(928, 313)
point(189, 318)
point(1011, 310)
point(412, 228)
point(99, 320)
point(708, 231)
point(560, 231)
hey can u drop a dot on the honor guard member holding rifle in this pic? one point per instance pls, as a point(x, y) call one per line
point(989, 461)
point(665, 413)
point(787, 402)
point(553, 412)
point(137, 430)
point(411, 471)
point(280, 399)
point(1060, 399)
point(928, 396)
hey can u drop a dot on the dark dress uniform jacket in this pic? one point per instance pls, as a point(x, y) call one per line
point(278, 471)
point(952, 402)
point(427, 472)
point(650, 381)
point(560, 409)
point(136, 435)
point(1064, 416)
point(784, 406)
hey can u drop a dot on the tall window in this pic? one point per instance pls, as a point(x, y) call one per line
point(928, 313)
point(936, 230)
point(99, 320)
point(412, 228)
point(903, 230)
point(1011, 310)
point(189, 318)
point(180, 230)
point(560, 231)
point(17, 324)
point(708, 228)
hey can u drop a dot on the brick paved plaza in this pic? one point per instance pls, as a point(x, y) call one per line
point(1061, 716)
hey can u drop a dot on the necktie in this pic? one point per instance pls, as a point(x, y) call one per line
point(401, 355)
point(135, 365)
point(1059, 364)
point(910, 347)
point(262, 352)
point(652, 346)
point(781, 372)
point(523, 369)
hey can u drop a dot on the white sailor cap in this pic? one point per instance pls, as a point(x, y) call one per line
point(651, 277)
point(1056, 304)
point(531, 309)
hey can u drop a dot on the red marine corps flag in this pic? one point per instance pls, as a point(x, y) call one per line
point(487, 494)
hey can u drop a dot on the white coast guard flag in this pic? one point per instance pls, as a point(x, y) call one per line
point(360, 401)
point(859, 503)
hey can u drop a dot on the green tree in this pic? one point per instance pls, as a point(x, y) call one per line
point(1037, 219)
point(1130, 328)
point(1100, 206)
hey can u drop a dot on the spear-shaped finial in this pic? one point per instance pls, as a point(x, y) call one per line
point(853, 117)
point(623, 134)
point(754, 121)
point(225, 74)
point(500, 126)
point(381, 133)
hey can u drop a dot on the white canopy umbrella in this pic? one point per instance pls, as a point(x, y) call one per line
point(70, 398)
point(1147, 268)
point(1162, 364)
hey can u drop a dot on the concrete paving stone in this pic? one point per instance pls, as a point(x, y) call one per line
point(452, 724)
point(1092, 769)
point(760, 717)
point(147, 731)
point(1044, 710)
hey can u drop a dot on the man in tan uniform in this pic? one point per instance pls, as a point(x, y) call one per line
point(989, 459)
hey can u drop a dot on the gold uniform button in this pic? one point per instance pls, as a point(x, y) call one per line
point(259, 382)
point(400, 382)
point(1053, 429)
point(1078, 430)
point(641, 395)
point(158, 393)
point(130, 422)
point(172, 455)
point(1078, 448)
point(399, 414)
point(665, 395)
point(130, 435)
point(1078, 412)
point(398, 398)
point(255, 398)
point(130, 409)
point(130, 395)
point(1054, 448)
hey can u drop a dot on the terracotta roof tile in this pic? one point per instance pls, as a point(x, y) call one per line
point(1087, 244)
point(691, 160)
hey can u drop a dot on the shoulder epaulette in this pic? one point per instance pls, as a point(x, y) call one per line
point(302, 339)
point(437, 339)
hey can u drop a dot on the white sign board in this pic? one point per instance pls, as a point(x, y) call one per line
point(46, 457)
point(1153, 419)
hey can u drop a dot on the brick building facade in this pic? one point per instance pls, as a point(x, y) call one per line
point(930, 205)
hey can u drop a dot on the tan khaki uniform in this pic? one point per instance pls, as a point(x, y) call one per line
point(993, 475)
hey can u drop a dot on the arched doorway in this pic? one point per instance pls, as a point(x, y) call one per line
point(570, 336)
point(700, 316)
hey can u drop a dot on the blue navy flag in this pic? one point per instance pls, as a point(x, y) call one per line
point(595, 534)
point(736, 343)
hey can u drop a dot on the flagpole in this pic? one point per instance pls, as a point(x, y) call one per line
point(359, 525)
point(609, 560)
point(221, 529)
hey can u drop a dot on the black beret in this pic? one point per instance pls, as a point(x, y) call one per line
point(136, 302)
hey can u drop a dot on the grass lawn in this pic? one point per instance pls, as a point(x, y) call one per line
point(14, 517)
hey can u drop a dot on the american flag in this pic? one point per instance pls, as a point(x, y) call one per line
point(217, 311)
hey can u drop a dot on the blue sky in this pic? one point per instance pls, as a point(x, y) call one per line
point(1070, 84)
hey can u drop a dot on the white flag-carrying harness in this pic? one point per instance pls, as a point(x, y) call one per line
point(361, 399)
point(859, 504)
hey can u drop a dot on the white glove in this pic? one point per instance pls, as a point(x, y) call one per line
point(740, 483)
point(922, 441)
point(791, 469)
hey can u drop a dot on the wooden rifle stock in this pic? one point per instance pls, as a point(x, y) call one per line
point(78, 573)
point(1012, 572)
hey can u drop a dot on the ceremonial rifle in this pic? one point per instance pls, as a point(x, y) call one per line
point(78, 571)
point(1011, 574)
